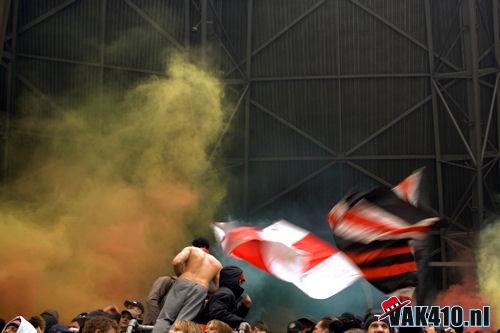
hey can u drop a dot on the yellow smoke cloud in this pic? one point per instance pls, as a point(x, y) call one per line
point(489, 267)
point(109, 194)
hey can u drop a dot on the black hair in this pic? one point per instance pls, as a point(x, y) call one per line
point(201, 242)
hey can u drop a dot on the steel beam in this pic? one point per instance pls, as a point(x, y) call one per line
point(293, 127)
point(204, 28)
point(280, 33)
point(435, 118)
point(155, 25)
point(42, 18)
point(369, 174)
point(38, 92)
point(338, 71)
point(187, 23)
point(233, 61)
point(496, 42)
point(229, 121)
point(11, 89)
point(340, 77)
point(485, 53)
point(437, 139)
point(455, 123)
point(400, 31)
point(445, 158)
point(455, 40)
point(459, 165)
point(230, 51)
point(107, 66)
point(490, 116)
point(394, 121)
point(102, 53)
point(462, 203)
point(471, 51)
point(4, 18)
point(248, 73)
point(291, 188)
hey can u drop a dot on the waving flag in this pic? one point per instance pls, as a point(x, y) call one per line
point(292, 254)
point(409, 188)
point(374, 230)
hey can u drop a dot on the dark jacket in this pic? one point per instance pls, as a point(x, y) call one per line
point(222, 304)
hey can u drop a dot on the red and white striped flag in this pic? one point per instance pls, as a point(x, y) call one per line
point(291, 254)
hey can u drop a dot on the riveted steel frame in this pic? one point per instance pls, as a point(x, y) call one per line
point(480, 160)
point(483, 160)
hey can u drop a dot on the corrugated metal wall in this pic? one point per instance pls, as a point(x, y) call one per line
point(339, 91)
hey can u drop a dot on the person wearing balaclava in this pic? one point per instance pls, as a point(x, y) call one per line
point(223, 304)
point(19, 325)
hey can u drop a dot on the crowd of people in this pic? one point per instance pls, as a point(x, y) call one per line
point(203, 297)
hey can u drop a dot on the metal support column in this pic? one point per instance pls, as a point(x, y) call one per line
point(204, 33)
point(475, 109)
point(11, 89)
point(247, 104)
point(102, 51)
point(496, 49)
point(437, 141)
point(339, 93)
point(474, 104)
point(4, 18)
point(187, 23)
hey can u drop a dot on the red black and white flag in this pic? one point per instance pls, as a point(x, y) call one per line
point(374, 229)
point(291, 254)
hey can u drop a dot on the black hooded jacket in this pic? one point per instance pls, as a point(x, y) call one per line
point(222, 304)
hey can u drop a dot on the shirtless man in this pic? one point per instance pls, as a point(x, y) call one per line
point(196, 268)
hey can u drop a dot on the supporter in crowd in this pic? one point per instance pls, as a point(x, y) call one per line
point(79, 321)
point(136, 309)
point(296, 327)
point(156, 298)
point(308, 324)
point(58, 328)
point(259, 327)
point(323, 325)
point(349, 321)
point(51, 317)
point(100, 324)
point(38, 322)
point(374, 325)
point(185, 326)
point(74, 325)
point(126, 317)
point(222, 305)
point(19, 325)
point(217, 326)
point(196, 268)
point(336, 326)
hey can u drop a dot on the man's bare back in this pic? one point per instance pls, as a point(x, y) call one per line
point(195, 265)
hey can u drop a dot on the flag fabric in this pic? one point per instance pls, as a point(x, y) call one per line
point(374, 229)
point(409, 188)
point(291, 254)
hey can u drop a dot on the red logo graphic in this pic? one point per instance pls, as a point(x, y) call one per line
point(392, 304)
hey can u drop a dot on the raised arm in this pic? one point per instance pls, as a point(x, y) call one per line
point(180, 259)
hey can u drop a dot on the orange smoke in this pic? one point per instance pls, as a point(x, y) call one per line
point(112, 191)
point(467, 296)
